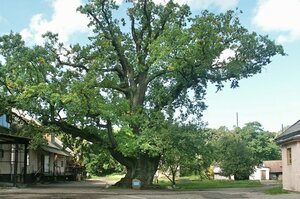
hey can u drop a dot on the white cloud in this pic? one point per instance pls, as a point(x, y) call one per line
point(279, 16)
point(226, 55)
point(65, 21)
point(204, 4)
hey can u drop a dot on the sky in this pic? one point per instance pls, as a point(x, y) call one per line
point(271, 98)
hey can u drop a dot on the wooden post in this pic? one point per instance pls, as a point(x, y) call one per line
point(16, 166)
point(25, 162)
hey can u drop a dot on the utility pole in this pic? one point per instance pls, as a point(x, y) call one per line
point(237, 119)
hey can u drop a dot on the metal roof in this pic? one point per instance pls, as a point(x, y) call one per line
point(11, 139)
point(274, 165)
point(55, 150)
point(291, 133)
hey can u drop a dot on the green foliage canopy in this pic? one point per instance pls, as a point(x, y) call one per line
point(133, 74)
point(185, 147)
point(238, 151)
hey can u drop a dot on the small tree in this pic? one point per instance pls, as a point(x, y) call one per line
point(184, 146)
point(235, 158)
point(170, 165)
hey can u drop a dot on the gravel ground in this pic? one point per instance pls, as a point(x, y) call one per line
point(95, 189)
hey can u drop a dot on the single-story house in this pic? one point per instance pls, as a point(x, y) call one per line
point(260, 173)
point(20, 164)
point(290, 147)
point(13, 167)
point(269, 170)
point(275, 167)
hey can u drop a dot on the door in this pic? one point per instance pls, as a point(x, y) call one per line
point(46, 163)
point(263, 175)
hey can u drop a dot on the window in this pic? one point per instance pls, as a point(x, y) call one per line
point(13, 154)
point(46, 163)
point(28, 159)
point(289, 155)
point(1, 153)
point(4, 121)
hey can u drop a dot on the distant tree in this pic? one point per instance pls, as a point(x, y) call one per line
point(238, 151)
point(260, 142)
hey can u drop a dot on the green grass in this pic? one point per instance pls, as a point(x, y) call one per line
point(194, 183)
point(276, 190)
point(112, 177)
point(211, 184)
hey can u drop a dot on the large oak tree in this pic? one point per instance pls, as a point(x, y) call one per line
point(121, 88)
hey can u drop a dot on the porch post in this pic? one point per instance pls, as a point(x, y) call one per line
point(16, 166)
point(25, 162)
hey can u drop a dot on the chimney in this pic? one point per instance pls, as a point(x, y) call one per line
point(52, 138)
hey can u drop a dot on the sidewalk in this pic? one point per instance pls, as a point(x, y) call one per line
point(95, 189)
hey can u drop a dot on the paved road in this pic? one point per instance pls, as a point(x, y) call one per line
point(96, 190)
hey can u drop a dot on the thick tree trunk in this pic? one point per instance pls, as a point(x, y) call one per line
point(142, 168)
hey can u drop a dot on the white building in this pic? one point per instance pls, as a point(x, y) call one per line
point(290, 147)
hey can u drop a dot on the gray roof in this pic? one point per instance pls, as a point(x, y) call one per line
point(11, 139)
point(274, 165)
point(55, 150)
point(291, 133)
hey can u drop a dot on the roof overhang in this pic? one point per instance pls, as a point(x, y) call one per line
point(282, 140)
point(11, 139)
point(55, 150)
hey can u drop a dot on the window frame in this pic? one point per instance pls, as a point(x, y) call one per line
point(289, 155)
point(1, 153)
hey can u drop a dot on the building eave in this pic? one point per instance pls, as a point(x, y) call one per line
point(11, 139)
point(284, 140)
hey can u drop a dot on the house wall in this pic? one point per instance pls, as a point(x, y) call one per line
point(60, 164)
point(291, 172)
point(5, 164)
point(57, 164)
point(34, 164)
point(257, 174)
point(220, 177)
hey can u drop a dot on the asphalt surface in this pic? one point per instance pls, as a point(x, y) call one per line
point(97, 189)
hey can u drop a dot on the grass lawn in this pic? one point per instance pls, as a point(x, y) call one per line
point(276, 190)
point(112, 177)
point(210, 184)
point(193, 182)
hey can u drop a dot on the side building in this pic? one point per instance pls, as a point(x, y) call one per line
point(290, 147)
